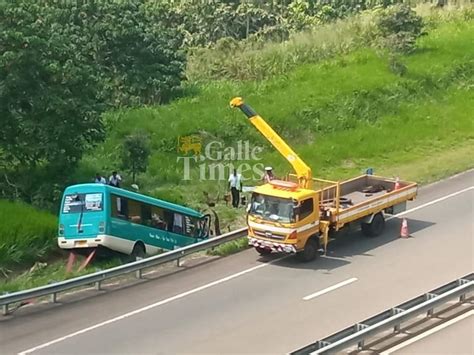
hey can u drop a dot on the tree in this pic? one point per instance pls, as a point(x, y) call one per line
point(49, 113)
point(61, 65)
point(137, 49)
point(135, 153)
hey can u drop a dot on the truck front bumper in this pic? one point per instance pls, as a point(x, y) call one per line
point(274, 247)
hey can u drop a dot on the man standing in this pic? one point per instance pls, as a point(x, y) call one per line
point(235, 184)
point(268, 175)
point(99, 179)
point(115, 179)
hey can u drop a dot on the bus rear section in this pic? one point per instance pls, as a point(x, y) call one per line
point(82, 218)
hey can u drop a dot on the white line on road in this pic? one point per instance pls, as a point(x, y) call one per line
point(429, 332)
point(329, 289)
point(430, 203)
point(146, 308)
point(181, 295)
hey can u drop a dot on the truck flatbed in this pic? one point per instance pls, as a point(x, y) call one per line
point(363, 196)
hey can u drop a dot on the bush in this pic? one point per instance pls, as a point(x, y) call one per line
point(254, 60)
point(399, 27)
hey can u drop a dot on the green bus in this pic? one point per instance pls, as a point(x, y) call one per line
point(99, 215)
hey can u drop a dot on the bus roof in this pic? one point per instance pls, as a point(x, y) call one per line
point(94, 187)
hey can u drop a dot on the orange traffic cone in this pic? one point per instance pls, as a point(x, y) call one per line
point(404, 230)
point(397, 184)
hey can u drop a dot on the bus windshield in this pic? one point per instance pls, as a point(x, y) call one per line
point(83, 202)
point(272, 208)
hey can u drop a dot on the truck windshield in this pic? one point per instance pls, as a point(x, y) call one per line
point(272, 208)
point(84, 202)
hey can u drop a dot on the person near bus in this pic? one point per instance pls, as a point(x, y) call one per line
point(99, 179)
point(268, 176)
point(115, 179)
point(235, 184)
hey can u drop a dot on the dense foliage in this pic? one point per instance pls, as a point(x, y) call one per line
point(61, 65)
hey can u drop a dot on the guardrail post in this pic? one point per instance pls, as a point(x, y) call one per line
point(97, 285)
point(5, 309)
point(462, 298)
point(138, 274)
point(53, 297)
point(360, 345)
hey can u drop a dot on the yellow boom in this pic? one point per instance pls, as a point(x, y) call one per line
point(303, 172)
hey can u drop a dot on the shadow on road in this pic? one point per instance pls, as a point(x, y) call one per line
point(351, 242)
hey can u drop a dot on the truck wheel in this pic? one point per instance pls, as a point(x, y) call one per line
point(263, 251)
point(375, 228)
point(310, 251)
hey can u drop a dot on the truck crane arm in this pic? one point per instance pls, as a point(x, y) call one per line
point(303, 172)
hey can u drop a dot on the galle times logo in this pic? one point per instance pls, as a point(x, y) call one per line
point(215, 161)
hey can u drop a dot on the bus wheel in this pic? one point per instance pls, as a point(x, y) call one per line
point(263, 251)
point(310, 251)
point(138, 251)
point(375, 228)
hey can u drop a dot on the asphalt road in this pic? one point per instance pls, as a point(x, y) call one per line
point(245, 304)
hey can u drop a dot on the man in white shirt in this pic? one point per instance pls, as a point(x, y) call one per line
point(268, 176)
point(99, 179)
point(115, 179)
point(235, 184)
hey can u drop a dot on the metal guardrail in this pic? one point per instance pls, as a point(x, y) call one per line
point(391, 318)
point(97, 277)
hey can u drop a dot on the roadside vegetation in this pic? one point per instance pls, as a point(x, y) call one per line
point(347, 93)
point(27, 235)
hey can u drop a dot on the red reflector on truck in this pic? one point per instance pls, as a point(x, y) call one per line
point(293, 235)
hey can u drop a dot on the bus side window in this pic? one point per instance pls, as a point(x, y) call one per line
point(134, 211)
point(119, 207)
point(178, 223)
point(169, 219)
point(158, 218)
point(146, 214)
point(190, 227)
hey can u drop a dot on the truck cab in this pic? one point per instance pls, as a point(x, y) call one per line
point(282, 217)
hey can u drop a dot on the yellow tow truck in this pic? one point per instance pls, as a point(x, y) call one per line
point(297, 214)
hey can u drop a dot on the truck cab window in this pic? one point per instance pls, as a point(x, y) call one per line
point(306, 208)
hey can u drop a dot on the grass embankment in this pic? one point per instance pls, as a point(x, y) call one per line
point(341, 116)
point(45, 273)
point(26, 235)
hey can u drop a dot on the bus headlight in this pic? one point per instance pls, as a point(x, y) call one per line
point(61, 229)
point(102, 227)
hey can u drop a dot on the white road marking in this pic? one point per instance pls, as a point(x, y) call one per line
point(329, 289)
point(146, 308)
point(430, 203)
point(230, 277)
point(429, 332)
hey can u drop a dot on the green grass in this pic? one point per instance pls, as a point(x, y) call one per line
point(26, 234)
point(45, 273)
point(350, 111)
point(230, 247)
